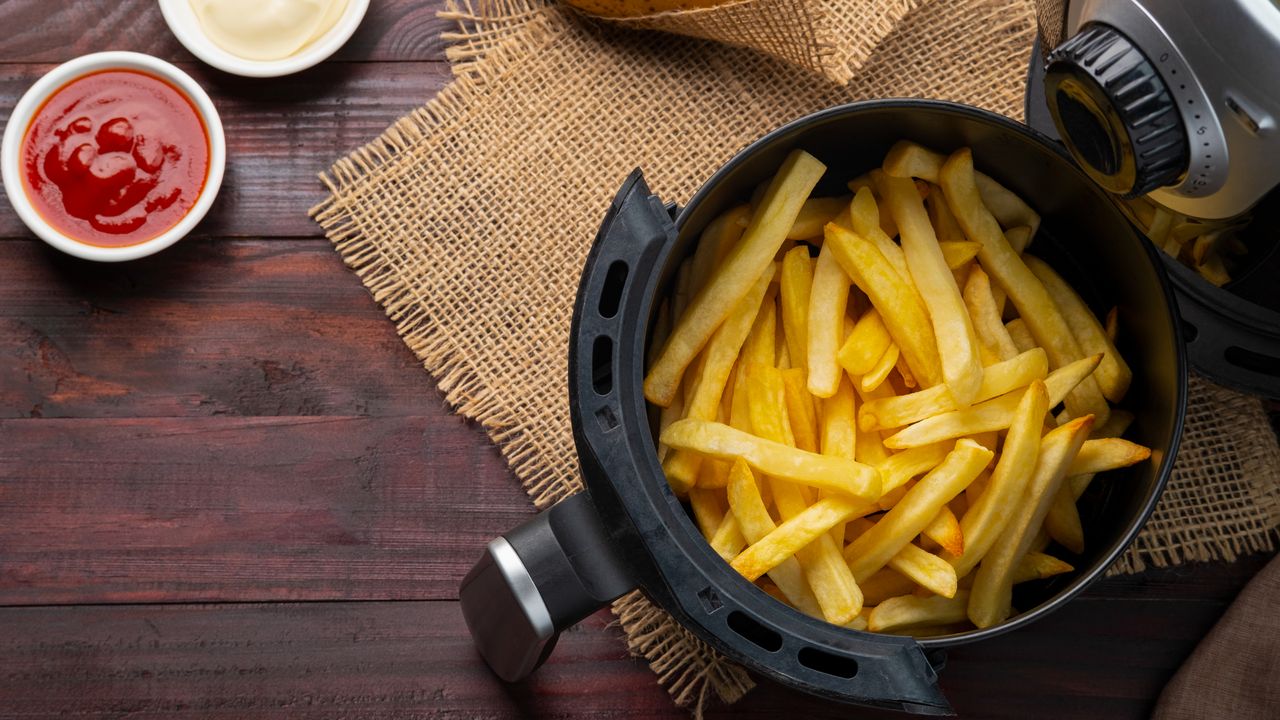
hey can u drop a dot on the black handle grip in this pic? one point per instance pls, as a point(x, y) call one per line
point(537, 580)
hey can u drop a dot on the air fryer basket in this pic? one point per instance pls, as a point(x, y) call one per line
point(642, 534)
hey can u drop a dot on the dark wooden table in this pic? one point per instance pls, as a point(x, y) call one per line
point(228, 490)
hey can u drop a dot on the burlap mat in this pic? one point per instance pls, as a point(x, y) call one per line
point(469, 220)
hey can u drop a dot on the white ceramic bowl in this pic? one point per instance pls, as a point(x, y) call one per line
point(20, 119)
point(182, 20)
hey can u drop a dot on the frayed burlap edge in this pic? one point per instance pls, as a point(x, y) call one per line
point(1227, 477)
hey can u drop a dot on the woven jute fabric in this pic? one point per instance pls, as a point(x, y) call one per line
point(470, 218)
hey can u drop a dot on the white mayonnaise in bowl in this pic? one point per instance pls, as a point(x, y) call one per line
point(263, 38)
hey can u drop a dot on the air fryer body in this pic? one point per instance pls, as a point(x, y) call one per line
point(1215, 67)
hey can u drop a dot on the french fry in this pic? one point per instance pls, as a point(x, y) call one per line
point(945, 225)
point(859, 622)
point(991, 596)
point(945, 530)
point(727, 540)
point(873, 549)
point(986, 317)
point(1103, 454)
point(1112, 324)
point(794, 290)
point(749, 508)
point(1019, 238)
point(801, 414)
point(827, 300)
point(681, 468)
point(1019, 333)
point(878, 374)
point(865, 220)
point(828, 576)
point(708, 510)
point(776, 459)
point(900, 306)
point(958, 254)
point(1113, 373)
point(719, 235)
point(898, 468)
point(994, 414)
point(883, 585)
point(1007, 207)
point(1115, 427)
point(1038, 566)
point(760, 241)
point(864, 347)
point(794, 534)
point(1095, 456)
point(899, 410)
point(839, 433)
point(814, 214)
point(928, 570)
point(990, 512)
point(952, 328)
point(1028, 294)
point(908, 611)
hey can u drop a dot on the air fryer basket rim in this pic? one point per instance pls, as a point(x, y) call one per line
point(1005, 124)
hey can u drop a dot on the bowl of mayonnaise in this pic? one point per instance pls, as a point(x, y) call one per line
point(263, 38)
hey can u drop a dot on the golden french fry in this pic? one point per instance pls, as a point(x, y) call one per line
point(1003, 377)
point(986, 317)
point(1113, 373)
point(926, 569)
point(944, 223)
point(911, 160)
point(828, 576)
point(865, 219)
point(908, 380)
point(708, 510)
point(794, 534)
point(721, 352)
point(864, 347)
point(898, 468)
point(795, 287)
point(990, 512)
point(1115, 427)
point(749, 508)
point(776, 459)
point(952, 328)
point(908, 611)
point(880, 372)
point(991, 596)
point(994, 414)
point(1028, 294)
point(680, 300)
point(1095, 456)
point(898, 302)
point(764, 234)
point(839, 433)
point(1019, 238)
point(945, 530)
point(827, 300)
point(859, 622)
point(1112, 324)
point(717, 238)
point(1102, 454)
point(1038, 566)
point(801, 414)
point(873, 549)
point(814, 214)
point(1020, 335)
point(959, 254)
point(1007, 207)
point(728, 540)
point(883, 585)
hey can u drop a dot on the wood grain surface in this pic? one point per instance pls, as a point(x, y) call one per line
point(228, 490)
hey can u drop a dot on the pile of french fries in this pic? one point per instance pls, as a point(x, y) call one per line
point(858, 395)
point(1208, 247)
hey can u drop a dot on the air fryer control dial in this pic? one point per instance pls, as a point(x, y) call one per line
point(1115, 112)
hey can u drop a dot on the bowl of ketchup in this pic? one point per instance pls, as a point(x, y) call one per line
point(113, 156)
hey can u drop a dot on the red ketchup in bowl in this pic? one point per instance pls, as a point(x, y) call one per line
point(115, 158)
